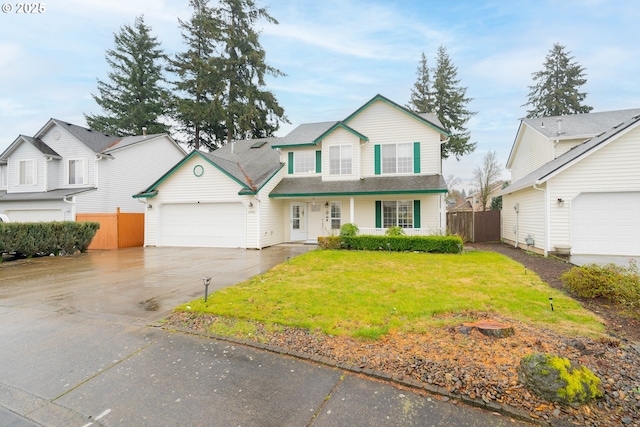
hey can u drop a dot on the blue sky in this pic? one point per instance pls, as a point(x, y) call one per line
point(337, 55)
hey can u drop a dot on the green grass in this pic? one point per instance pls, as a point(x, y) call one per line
point(368, 294)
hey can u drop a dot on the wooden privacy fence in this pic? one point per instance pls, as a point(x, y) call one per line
point(117, 230)
point(475, 226)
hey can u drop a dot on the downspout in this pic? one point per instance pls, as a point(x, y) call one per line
point(259, 223)
point(546, 216)
point(47, 159)
point(72, 202)
point(95, 164)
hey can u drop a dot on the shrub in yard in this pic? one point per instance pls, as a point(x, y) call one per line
point(40, 238)
point(394, 231)
point(329, 242)
point(612, 282)
point(437, 244)
point(349, 230)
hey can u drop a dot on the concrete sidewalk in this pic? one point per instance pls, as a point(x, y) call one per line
point(80, 354)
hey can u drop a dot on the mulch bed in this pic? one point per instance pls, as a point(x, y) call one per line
point(469, 366)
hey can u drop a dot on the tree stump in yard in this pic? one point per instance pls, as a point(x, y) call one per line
point(490, 328)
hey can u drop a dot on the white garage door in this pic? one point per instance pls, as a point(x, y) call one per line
point(606, 223)
point(36, 215)
point(218, 225)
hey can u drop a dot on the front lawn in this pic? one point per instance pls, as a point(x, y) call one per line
point(367, 294)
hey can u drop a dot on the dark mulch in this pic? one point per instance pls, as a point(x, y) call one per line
point(619, 324)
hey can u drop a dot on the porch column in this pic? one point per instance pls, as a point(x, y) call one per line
point(351, 209)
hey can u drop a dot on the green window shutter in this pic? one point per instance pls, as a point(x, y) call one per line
point(318, 161)
point(416, 157)
point(378, 213)
point(290, 162)
point(376, 159)
point(416, 214)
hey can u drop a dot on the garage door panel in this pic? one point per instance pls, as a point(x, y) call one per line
point(202, 224)
point(35, 215)
point(606, 223)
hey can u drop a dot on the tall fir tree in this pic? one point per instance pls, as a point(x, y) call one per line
point(438, 91)
point(222, 76)
point(251, 111)
point(422, 94)
point(134, 96)
point(450, 104)
point(556, 89)
point(197, 109)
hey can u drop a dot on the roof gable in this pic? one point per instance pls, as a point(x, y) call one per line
point(574, 155)
point(423, 118)
point(94, 140)
point(37, 143)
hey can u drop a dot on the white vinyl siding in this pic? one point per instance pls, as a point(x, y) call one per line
point(533, 151)
point(528, 221)
point(384, 124)
point(3, 177)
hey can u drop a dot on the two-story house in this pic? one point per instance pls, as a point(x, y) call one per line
point(379, 167)
point(64, 170)
point(575, 184)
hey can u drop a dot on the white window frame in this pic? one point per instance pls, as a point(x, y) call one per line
point(398, 213)
point(335, 215)
point(22, 170)
point(81, 166)
point(4, 176)
point(341, 159)
point(391, 162)
point(304, 162)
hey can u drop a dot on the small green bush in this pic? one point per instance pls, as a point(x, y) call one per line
point(43, 238)
point(394, 231)
point(612, 282)
point(437, 244)
point(349, 230)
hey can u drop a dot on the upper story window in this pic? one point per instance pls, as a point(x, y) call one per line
point(340, 160)
point(26, 172)
point(77, 172)
point(397, 158)
point(305, 161)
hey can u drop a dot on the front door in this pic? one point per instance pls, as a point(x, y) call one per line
point(298, 221)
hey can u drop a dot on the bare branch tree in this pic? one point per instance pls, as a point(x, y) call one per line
point(485, 176)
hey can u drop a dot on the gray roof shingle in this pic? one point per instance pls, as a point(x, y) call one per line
point(96, 141)
point(314, 186)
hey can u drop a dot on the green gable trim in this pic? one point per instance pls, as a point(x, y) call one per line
point(318, 161)
point(416, 157)
point(357, 193)
point(416, 214)
point(376, 159)
point(343, 126)
point(145, 195)
point(378, 214)
point(400, 108)
point(290, 163)
point(188, 157)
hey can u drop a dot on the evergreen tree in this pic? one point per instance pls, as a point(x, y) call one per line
point(437, 91)
point(133, 97)
point(450, 101)
point(198, 109)
point(250, 110)
point(556, 88)
point(422, 95)
point(222, 76)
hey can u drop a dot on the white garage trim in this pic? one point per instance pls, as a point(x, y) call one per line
point(34, 215)
point(218, 225)
point(606, 224)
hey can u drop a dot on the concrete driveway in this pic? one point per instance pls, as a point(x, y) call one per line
point(76, 350)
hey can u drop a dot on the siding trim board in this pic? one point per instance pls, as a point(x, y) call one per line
point(357, 193)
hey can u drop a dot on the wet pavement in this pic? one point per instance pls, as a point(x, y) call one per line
point(78, 348)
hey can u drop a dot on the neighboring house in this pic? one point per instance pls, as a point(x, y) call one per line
point(575, 184)
point(474, 202)
point(379, 167)
point(64, 170)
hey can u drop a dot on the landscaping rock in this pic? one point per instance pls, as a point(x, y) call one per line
point(557, 379)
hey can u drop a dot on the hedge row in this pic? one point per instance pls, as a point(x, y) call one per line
point(43, 238)
point(438, 244)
